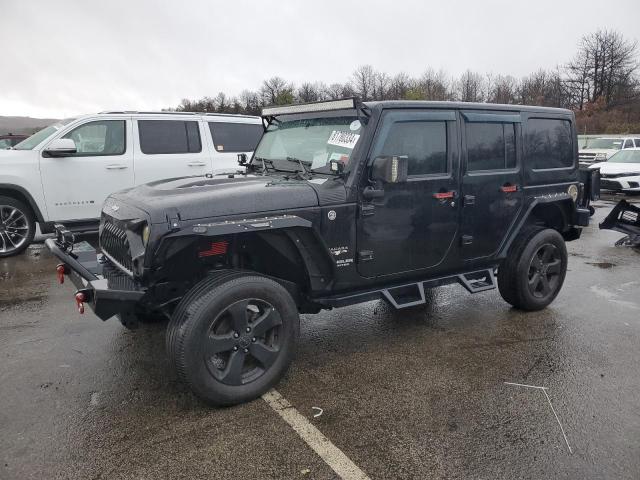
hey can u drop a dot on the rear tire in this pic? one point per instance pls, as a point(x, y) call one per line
point(17, 226)
point(233, 336)
point(532, 275)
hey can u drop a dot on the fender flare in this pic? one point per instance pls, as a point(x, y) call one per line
point(24, 193)
point(540, 200)
point(319, 270)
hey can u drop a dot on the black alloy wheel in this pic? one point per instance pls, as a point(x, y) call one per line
point(544, 271)
point(243, 341)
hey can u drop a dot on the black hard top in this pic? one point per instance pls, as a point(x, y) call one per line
point(465, 106)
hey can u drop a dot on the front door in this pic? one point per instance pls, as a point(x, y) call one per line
point(76, 186)
point(413, 225)
point(491, 186)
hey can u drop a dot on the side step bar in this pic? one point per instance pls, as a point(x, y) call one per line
point(412, 294)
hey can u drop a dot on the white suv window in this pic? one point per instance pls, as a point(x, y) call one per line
point(104, 137)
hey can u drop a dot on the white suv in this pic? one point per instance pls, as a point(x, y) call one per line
point(601, 149)
point(65, 172)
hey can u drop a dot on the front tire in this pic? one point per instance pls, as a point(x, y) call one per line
point(533, 273)
point(17, 227)
point(233, 336)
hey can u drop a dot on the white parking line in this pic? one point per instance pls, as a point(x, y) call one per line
point(332, 455)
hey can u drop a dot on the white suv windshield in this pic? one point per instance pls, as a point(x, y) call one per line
point(608, 143)
point(626, 156)
point(311, 141)
point(31, 142)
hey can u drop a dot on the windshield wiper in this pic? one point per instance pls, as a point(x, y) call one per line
point(304, 170)
point(264, 164)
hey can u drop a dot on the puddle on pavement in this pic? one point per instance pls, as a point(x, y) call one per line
point(605, 265)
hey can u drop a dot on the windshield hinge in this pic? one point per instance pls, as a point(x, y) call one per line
point(173, 219)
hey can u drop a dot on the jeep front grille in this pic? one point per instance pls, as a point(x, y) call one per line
point(115, 245)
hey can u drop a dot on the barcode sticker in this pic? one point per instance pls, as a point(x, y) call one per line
point(343, 139)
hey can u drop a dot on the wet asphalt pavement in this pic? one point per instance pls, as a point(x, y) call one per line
point(408, 394)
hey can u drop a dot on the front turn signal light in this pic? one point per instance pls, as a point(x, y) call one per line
point(146, 233)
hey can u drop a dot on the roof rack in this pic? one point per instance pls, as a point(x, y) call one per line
point(167, 112)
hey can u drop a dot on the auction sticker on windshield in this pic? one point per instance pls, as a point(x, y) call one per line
point(343, 139)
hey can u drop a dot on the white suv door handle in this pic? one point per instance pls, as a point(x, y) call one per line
point(116, 166)
point(197, 164)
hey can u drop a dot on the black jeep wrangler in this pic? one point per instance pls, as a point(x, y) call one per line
point(341, 203)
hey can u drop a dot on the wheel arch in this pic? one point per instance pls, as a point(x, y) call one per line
point(22, 195)
point(553, 212)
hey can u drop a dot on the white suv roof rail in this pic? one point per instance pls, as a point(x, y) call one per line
point(166, 112)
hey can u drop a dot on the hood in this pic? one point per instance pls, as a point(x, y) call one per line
point(613, 167)
point(199, 197)
point(15, 155)
point(599, 150)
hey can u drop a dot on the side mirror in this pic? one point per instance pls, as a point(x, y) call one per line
point(242, 159)
point(61, 147)
point(390, 169)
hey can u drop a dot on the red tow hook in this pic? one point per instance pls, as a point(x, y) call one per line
point(60, 271)
point(80, 299)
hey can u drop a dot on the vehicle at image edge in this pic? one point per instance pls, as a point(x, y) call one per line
point(65, 172)
point(10, 140)
point(341, 203)
point(601, 149)
point(621, 172)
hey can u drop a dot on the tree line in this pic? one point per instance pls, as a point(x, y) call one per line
point(600, 83)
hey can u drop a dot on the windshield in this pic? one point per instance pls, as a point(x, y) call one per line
point(31, 142)
point(314, 142)
point(608, 143)
point(625, 156)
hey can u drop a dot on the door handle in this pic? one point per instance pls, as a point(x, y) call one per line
point(444, 195)
point(197, 164)
point(116, 166)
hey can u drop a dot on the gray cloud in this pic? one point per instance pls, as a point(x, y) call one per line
point(62, 58)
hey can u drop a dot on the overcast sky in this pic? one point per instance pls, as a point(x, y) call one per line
point(62, 58)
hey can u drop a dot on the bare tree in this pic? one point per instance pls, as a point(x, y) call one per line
point(605, 67)
point(363, 82)
point(501, 89)
point(471, 87)
point(310, 92)
point(276, 91)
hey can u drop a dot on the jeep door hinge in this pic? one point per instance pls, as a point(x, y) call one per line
point(367, 209)
point(365, 255)
point(467, 239)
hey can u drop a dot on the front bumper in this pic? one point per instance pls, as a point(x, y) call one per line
point(106, 289)
point(625, 184)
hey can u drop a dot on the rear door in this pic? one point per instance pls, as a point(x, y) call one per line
point(169, 148)
point(75, 186)
point(229, 137)
point(413, 226)
point(492, 193)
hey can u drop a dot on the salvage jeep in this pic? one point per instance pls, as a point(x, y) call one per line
point(342, 202)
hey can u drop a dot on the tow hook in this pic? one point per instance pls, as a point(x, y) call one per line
point(60, 271)
point(80, 299)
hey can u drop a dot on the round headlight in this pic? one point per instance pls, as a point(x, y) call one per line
point(573, 192)
point(146, 232)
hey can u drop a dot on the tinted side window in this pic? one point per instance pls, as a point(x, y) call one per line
point(637, 140)
point(549, 143)
point(169, 136)
point(105, 137)
point(490, 146)
point(424, 142)
point(235, 137)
